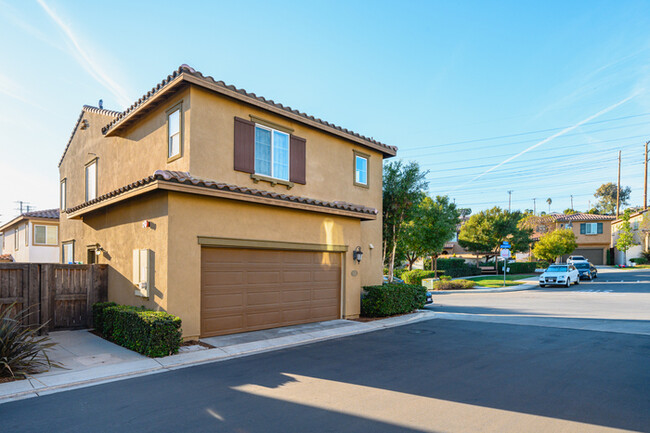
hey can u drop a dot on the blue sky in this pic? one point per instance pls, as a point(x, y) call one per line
point(460, 86)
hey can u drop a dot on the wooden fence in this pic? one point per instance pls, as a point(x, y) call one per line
point(61, 295)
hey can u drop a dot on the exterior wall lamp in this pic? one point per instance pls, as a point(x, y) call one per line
point(357, 254)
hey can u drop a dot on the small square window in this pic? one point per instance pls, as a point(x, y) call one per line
point(360, 169)
point(45, 235)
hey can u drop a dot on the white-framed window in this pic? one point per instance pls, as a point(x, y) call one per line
point(174, 133)
point(271, 152)
point(67, 252)
point(46, 234)
point(91, 180)
point(62, 194)
point(361, 169)
point(591, 228)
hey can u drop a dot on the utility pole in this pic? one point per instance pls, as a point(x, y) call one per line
point(534, 207)
point(23, 204)
point(645, 177)
point(509, 199)
point(571, 201)
point(618, 186)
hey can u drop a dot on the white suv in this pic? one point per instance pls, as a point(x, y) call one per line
point(560, 275)
point(576, 259)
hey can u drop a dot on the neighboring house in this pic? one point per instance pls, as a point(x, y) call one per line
point(593, 233)
point(6, 258)
point(640, 226)
point(232, 211)
point(32, 237)
point(452, 247)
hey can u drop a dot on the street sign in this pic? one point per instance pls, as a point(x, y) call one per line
point(505, 253)
point(505, 245)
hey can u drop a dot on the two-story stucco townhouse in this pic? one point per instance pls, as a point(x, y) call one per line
point(593, 234)
point(31, 237)
point(229, 210)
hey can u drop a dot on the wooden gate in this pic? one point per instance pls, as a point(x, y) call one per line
point(61, 295)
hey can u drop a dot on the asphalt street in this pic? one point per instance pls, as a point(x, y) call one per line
point(433, 376)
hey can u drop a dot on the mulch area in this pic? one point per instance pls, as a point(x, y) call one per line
point(197, 343)
point(363, 319)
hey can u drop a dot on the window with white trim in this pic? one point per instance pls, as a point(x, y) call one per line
point(46, 235)
point(91, 181)
point(361, 169)
point(62, 194)
point(67, 252)
point(271, 152)
point(174, 133)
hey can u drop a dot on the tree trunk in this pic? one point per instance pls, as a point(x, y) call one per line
point(391, 264)
point(435, 269)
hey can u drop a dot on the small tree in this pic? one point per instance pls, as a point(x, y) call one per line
point(626, 238)
point(555, 244)
point(403, 189)
point(549, 201)
point(438, 220)
point(411, 242)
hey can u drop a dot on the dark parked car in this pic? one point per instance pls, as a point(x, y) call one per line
point(587, 270)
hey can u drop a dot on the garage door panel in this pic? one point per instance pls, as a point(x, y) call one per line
point(245, 290)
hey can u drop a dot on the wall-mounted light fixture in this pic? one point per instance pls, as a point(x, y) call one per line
point(357, 254)
point(99, 250)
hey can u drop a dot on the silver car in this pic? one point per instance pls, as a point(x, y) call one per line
point(559, 275)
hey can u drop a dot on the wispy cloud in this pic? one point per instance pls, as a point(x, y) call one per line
point(95, 70)
point(12, 89)
point(546, 140)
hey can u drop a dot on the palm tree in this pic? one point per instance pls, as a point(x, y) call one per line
point(549, 201)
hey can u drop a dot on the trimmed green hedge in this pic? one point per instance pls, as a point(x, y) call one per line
point(151, 333)
point(453, 285)
point(522, 267)
point(417, 275)
point(639, 260)
point(391, 299)
point(454, 267)
point(464, 271)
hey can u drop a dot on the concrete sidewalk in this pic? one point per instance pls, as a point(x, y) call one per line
point(91, 360)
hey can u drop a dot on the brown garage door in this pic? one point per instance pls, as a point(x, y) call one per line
point(247, 289)
point(594, 255)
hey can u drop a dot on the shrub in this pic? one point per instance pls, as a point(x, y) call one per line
point(646, 255)
point(399, 272)
point(522, 267)
point(445, 278)
point(152, 333)
point(639, 260)
point(464, 271)
point(416, 276)
point(22, 351)
point(542, 264)
point(98, 315)
point(453, 284)
point(391, 299)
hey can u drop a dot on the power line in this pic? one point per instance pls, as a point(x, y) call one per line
point(528, 133)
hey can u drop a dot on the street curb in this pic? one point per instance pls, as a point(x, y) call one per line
point(377, 325)
point(521, 287)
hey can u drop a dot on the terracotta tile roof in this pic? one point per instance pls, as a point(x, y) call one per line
point(584, 217)
point(6, 258)
point(46, 213)
point(188, 179)
point(86, 109)
point(185, 69)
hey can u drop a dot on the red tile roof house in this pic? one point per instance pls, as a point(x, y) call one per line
point(32, 237)
point(593, 233)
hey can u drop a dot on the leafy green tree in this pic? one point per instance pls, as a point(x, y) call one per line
point(485, 231)
point(555, 244)
point(549, 201)
point(464, 211)
point(433, 225)
point(626, 238)
point(403, 190)
point(606, 195)
point(569, 211)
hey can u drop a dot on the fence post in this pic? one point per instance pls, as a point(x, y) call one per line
point(33, 296)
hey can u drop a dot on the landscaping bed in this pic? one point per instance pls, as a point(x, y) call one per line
point(494, 281)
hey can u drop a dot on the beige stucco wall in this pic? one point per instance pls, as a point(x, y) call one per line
point(592, 241)
point(118, 230)
point(192, 216)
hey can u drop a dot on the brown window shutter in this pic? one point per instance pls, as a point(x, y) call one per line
point(244, 145)
point(298, 157)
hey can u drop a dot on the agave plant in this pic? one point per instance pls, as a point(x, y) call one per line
point(22, 350)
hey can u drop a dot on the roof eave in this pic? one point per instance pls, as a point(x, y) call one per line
point(174, 84)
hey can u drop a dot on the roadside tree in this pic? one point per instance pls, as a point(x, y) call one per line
point(403, 190)
point(626, 238)
point(555, 244)
point(606, 195)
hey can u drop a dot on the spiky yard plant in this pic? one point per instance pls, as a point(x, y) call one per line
point(22, 350)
